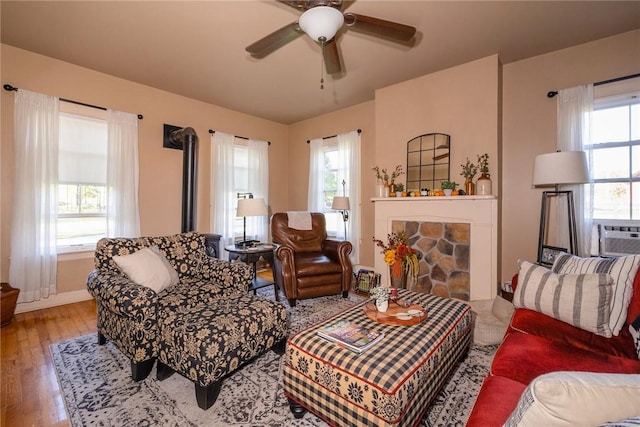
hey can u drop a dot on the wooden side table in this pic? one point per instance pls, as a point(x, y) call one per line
point(252, 256)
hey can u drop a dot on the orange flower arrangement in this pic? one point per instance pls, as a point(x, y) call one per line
point(398, 255)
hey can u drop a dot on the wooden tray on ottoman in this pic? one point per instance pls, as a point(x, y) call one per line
point(389, 317)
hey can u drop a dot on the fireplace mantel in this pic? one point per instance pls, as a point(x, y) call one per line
point(481, 212)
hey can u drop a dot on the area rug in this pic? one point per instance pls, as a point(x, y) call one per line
point(98, 391)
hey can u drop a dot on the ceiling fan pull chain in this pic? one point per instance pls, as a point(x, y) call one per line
point(322, 66)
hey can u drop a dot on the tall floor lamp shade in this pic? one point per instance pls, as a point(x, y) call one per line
point(249, 207)
point(554, 169)
point(342, 204)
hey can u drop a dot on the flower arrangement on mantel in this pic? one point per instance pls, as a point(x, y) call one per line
point(398, 255)
point(483, 164)
point(469, 170)
point(383, 174)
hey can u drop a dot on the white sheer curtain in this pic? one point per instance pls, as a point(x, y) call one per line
point(33, 264)
point(315, 198)
point(123, 214)
point(575, 108)
point(349, 170)
point(258, 156)
point(223, 198)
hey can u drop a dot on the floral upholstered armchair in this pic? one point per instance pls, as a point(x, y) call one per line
point(127, 311)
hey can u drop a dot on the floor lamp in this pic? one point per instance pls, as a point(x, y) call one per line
point(341, 203)
point(554, 169)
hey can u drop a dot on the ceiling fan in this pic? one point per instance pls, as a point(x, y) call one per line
point(321, 20)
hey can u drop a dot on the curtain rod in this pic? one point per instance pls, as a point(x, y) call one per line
point(331, 136)
point(10, 88)
point(211, 131)
point(604, 82)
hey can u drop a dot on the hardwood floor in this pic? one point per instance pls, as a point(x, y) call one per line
point(30, 395)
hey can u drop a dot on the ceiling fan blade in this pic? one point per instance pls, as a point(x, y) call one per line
point(379, 27)
point(296, 4)
point(331, 56)
point(275, 40)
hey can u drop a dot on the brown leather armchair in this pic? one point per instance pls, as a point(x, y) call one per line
point(308, 264)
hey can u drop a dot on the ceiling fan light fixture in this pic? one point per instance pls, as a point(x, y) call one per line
point(321, 23)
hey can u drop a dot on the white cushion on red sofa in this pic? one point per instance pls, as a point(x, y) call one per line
point(622, 269)
point(582, 300)
point(577, 399)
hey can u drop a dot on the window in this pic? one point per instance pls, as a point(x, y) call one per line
point(240, 181)
point(615, 157)
point(82, 170)
point(331, 187)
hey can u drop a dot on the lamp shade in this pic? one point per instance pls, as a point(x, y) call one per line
point(562, 167)
point(251, 207)
point(340, 203)
point(321, 22)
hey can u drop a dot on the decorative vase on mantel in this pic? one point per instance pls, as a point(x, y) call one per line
point(379, 188)
point(469, 187)
point(483, 185)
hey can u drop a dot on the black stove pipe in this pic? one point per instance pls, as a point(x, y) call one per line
point(188, 140)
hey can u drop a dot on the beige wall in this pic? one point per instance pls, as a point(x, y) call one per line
point(160, 168)
point(461, 101)
point(358, 117)
point(484, 106)
point(529, 127)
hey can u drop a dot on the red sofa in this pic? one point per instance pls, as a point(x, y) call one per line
point(536, 344)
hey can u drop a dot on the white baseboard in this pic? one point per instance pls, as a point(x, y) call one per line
point(54, 301)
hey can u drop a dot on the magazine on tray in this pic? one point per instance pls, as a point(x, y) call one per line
point(352, 336)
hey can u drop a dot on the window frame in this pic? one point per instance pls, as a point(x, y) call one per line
point(73, 109)
point(625, 99)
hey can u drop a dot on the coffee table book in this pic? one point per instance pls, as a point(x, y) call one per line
point(350, 335)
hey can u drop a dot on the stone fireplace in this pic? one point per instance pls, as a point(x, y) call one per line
point(456, 238)
point(443, 255)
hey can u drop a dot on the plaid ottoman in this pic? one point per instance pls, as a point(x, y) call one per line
point(207, 339)
point(390, 384)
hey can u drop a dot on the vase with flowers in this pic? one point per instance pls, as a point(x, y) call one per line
point(387, 179)
point(469, 171)
point(483, 185)
point(381, 295)
point(400, 257)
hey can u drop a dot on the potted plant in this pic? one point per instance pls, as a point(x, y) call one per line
point(483, 184)
point(448, 187)
point(399, 189)
point(381, 295)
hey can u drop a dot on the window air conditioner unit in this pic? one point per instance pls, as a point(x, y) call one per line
point(616, 240)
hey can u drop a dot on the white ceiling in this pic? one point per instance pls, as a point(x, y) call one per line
point(196, 49)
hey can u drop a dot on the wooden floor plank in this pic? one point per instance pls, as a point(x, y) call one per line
point(30, 394)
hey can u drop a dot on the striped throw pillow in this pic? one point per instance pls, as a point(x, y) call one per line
point(622, 269)
point(582, 300)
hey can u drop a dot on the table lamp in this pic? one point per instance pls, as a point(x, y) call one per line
point(554, 169)
point(249, 207)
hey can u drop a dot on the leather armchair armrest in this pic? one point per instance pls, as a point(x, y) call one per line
point(338, 250)
point(286, 270)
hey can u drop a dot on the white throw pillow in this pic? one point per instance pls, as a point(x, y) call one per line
point(577, 399)
point(172, 271)
point(145, 267)
point(622, 269)
point(581, 300)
